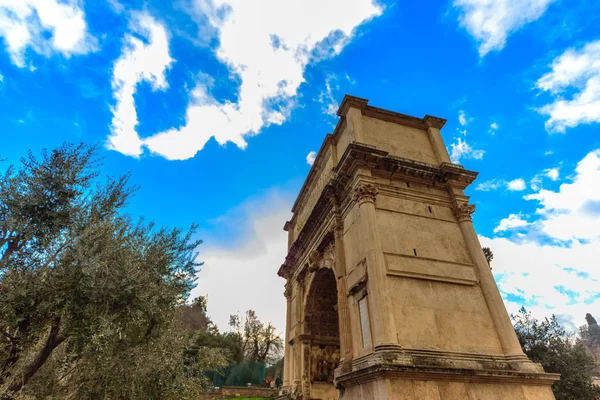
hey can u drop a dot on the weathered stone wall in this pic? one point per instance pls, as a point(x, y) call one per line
point(398, 140)
point(432, 280)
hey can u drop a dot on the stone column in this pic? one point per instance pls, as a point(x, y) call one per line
point(506, 333)
point(435, 138)
point(382, 319)
point(298, 291)
point(305, 369)
point(345, 328)
point(287, 353)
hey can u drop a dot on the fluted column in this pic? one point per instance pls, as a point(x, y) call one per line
point(382, 319)
point(345, 328)
point(506, 333)
point(287, 353)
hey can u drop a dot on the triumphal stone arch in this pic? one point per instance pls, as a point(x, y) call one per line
point(389, 295)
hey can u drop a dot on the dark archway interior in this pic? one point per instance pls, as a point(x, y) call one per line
point(322, 320)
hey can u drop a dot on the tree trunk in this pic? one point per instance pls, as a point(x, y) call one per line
point(52, 341)
point(15, 350)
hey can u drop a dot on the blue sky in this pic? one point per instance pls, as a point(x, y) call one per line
point(214, 107)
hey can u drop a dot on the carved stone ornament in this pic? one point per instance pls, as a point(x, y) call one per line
point(463, 211)
point(306, 372)
point(305, 387)
point(314, 260)
point(365, 192)
point(338, 228)
point(287, 292)
point(301, 279)
point(328, 259)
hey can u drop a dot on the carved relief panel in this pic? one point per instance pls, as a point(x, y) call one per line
point(324, 361)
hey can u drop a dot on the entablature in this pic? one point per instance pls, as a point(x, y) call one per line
point(336, 192)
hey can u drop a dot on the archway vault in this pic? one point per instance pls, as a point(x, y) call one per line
point(321, 334)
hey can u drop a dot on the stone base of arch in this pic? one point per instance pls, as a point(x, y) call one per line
point(434, 375)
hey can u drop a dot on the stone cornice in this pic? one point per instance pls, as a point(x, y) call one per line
point(360, 153)
point(379, 371)
point(387, 115)
point(438, 365)
point(434, 122)
point(351, 101)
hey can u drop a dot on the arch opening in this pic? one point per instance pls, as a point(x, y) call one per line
point(322, 323)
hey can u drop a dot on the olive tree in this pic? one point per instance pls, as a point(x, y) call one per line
point(88, 295)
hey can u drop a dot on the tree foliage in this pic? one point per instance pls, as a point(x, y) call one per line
point(590, 336)
point(489, 256)
point(89, 296)
point(546, 342)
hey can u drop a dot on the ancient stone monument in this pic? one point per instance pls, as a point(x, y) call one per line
point(389, 295)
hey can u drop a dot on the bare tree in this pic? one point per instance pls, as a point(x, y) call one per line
point(259, 342)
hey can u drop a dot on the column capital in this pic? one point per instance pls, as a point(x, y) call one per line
point(337, 228)
point(287, 292)
point(463, 211)
point(301, 279)
point(365, 192)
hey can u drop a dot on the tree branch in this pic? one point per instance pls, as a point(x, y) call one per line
point(12, 246)
point(53, 340)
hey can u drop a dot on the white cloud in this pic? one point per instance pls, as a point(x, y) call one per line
point(539, 274)
point(552, 173)
point(462, 118)
point(248, 265)
point(45, 26)
point(536, 182)
point(268, 48)
point(556, 278)
point(513, 221)
point(579, 70)
point(310, 157)
point(519, 184)
point(1, 78)
point(490, 22)
point(116, 6)
point(329, 104)
point(493, 128)
point(573, 212)
point(462, 150)
point(140, 61)
point(516, 185)
point(490, 185)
